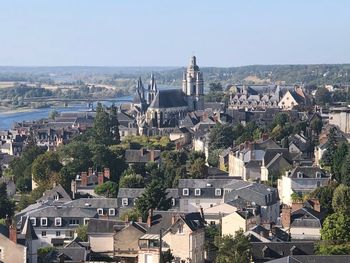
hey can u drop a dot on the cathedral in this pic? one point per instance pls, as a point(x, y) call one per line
point(157, 109)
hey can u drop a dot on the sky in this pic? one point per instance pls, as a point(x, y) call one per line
point(167, 33)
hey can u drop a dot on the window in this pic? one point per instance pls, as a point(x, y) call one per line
point(100, 211)
point(197, 192)
point(173, 202)
point(33, 221)
point(43, 221)
point(57, 197)
point(185, 191)
point(181, 229)
point(74, 221)
point(58, 221)
point(125, 201)
point(318, 175)
point(217, 192)
point(299, 174)
point(58, 233)
point(86, 221)
point(212, 223)
point(111, 212)
point(135, 201)
point(43, 233)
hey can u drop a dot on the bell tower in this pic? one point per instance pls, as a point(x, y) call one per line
point(193, 86)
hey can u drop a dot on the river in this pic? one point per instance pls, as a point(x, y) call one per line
point(8, 118)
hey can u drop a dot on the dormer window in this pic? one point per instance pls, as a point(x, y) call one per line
point(318, 175)
point(57, 197)
point(58, 221)
point(100, 211)
point(197, 192)
point(299, 174)
point(185, 192)
point(217, 192)
point(43, 221)
point(173, 202)
point(111, 212)
point(125, 201)
point(135, 201)
point(33, 221)
point(86, 221)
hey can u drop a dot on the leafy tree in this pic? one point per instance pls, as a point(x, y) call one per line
point(323, 96)
point(212, 232)
point(215, 87)
point(316, 125)
point(221, 136)
point(345, 170)
point(53, 114)
point(280, 119)
point(338, 161)
point(197, 169)
point(213, 158)
point(336, 227)
point(154, 197)
point(167, 256)
point(107, 189)
point(332, 248)
point(341, 199)
point(82, 232)
point(131, 181)
point(6, 206)
point(325, 195)
point(233, 250)
point(296, 198)
point(131, 214)
point(45, 166)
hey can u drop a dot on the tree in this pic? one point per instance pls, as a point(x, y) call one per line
point(212, 232)
point(316, 125)
point(221, 136)
point(213, 158)
point(345, 171)
point(215, 87)
point(82, 232)
point(233, 249)
point(280, 119)
point(323, 96)
point(131, 181)
point(114, 125)
point(131, 215)
point(53, 114)
point(338, 161)
point(325, 195)
point(102, 126)
point(154, 197)
point(107, 189)
point(7, 207)
point(45, 166)
point(336, 227)
point(197, 169)
point(341, 199)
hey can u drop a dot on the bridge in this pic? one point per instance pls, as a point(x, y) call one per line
point(89, 101)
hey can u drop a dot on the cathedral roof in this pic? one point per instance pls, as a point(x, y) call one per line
point(168, 98)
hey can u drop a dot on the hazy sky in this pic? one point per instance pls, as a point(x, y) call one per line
point(167, 33)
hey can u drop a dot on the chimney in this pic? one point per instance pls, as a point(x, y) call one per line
point(126, 218)
point(84, 179)
point(297, 205)
point(13, 234)
point(107, 173)
point(286, 216)
point(150, 217)
point(173, 219)
point(139, 219)
point(316, 205)
point(100, 178)
point(90, 171)
point(141, 151)
point(151, 154)
point(265, 136)
point(241, 147)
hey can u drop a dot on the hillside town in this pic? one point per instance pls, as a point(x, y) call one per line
point(261, 174)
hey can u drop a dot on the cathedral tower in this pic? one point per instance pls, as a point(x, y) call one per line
point(193, 86)
point(152, 90)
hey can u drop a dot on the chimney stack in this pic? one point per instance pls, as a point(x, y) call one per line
point(286, 216)
point(173, 219)
point(13, 233)
point(84, 179)
point(141, 151)
point(297, 205)
point(139, 219)
point(90, 171)
point(100, 178)
point(107, 173)
point(265, 136)
point(151, 154)
point(150, 217)
point(316, 205)
point(126, 218)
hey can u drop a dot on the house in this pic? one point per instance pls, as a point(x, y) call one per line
point(313, 258)
point(213, 215)
point(238, 220)
point(301, 180)
point(182, 234)
point(74, 252)
point(56, 194)
point(10, 250)
point(303, 223)
point(293, 98)
point(340, 117)
point(265, 251)
point(142, 156)
point(300, 145)
point(28, 238)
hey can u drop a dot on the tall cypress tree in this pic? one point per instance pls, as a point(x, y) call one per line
point(6, 206)
point(102, 126)
point(114, 125)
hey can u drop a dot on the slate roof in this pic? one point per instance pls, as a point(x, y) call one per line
point(308, 172)
point(100, 226)
point(136, 156)
point(307, 217)
point(72, 254)
point(93, 203)
point(168, 98)
point(56, 191)
point(204, 183)
point(27, 230)
point(313, 259)
point(64, 211)
point(130, 192)
point(263, 251)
